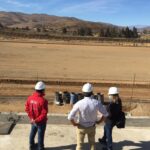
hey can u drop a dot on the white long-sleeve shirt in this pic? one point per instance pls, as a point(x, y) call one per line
point(88, 109)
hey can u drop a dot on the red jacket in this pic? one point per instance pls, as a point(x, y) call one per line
point(37, 107)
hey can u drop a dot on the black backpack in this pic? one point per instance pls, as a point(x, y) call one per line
point(121, 120)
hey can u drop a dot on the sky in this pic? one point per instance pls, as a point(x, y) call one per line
point(118, 12)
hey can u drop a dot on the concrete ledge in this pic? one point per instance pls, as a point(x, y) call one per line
point(22, 118)
point(6, 128)
point(54, 114)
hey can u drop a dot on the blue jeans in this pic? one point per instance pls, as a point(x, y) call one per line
point(40, 128)
point(108, 127)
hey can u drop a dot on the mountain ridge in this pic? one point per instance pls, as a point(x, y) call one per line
point(18, 19)
point(57, 25)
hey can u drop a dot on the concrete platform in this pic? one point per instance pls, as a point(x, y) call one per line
point(6, 127)
point(22, 118)
point(63, 137)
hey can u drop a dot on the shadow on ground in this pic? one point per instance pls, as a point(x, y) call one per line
point(142, 145)
point(73, 147)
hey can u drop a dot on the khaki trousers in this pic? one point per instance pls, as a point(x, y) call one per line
point(81, 132)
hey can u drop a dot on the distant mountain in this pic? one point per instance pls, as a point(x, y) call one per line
point(54, 25)
point(146, 28)
point(21, 20)
point(138, 26)
point(141, 28)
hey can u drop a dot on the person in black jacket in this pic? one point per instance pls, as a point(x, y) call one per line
point(114, 109)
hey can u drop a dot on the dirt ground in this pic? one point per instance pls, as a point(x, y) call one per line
point(13, 97)
point(74, 62)
point(29, 60)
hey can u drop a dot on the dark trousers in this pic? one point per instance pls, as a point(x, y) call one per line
point(40, 128)
point(108, 127)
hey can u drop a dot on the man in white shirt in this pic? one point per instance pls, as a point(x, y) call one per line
point(87, 110)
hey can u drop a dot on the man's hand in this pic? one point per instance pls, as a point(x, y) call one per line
point(101, 120)
point(74, 123)
point(32, 121)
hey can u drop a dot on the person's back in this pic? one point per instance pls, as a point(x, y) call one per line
point(37, 108)
point(34, 107)
point(88, 109)
point(114, 109)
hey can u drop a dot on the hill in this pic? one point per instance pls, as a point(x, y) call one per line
point(14, 23)
point(143, 28)
point(48, 22)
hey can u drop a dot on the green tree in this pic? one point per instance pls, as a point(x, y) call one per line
point(81, 31)
point(107, 33)
point(64, 30)
point(114, 32)
point(127, 32)
point(122, 33)
point(135, 33)
point(102, 33)
point(1, 26)
point(38, 29)
point(84, 31)
point(88, 31)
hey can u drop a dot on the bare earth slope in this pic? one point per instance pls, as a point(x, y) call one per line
point(16, 19)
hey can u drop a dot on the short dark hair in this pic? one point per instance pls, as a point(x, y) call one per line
point(87, 94)
point(40, 91)
point(115, 94)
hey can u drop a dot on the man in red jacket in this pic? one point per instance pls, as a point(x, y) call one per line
point(37, 108)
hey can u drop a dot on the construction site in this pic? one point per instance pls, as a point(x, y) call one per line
point(66, 66)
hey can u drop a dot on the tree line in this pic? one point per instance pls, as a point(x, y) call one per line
point(106, 32)
point(122, 33)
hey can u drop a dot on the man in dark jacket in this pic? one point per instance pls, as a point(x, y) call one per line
point(114, 109)
point(37, 108)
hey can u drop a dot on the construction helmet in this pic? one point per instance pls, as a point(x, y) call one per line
point(87, 88)
point(113, 91)
point(40, 85)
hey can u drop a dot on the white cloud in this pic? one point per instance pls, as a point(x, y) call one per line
point(64, 7)
point(103, 6)
point(17, 3)
point(31, 5)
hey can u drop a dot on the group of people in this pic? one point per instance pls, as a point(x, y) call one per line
point(87, 110)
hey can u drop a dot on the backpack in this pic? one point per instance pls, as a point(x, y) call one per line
point(121, 120)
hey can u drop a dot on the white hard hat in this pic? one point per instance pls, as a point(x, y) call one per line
point(113, 91)
point(40, 85)
point(87, 88)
